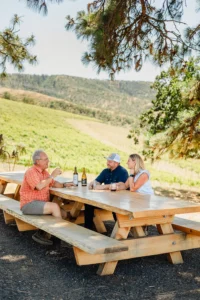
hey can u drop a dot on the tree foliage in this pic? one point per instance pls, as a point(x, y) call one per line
point(41, 5)
point(124, 33)
point(13, 49)
point(173, 122)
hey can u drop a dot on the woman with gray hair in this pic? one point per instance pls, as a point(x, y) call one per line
point(139, 178)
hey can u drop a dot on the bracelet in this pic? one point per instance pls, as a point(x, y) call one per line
point(131, 175)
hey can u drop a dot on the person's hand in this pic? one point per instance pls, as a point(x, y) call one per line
point(56, 172)
point(68, 184)
point(91, 185)
point(99, 187)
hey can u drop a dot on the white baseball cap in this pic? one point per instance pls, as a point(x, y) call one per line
point(114, 157)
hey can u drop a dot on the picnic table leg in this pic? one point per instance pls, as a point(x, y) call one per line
point(16, 195)
point(109, 267)
point(174, 257)
point(75, 211)
point(3, 185)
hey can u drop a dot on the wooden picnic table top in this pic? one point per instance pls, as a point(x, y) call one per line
point(123, 202)
point(127, 203)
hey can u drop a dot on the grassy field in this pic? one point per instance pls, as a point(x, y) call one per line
point(72, 140)
point(44, 128)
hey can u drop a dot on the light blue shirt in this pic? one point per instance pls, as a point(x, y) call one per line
point(146, 188)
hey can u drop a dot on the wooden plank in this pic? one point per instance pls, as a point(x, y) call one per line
point(80, 219)
point(189, 223)
point(141, 247)
point(77, 236)
point(8, 218)
point(175, 257)
point(3, 185)
point(104, 215)
point(100, 227)
point(75, 211)
point(13, 177)
point(123, 202)
point(17, 195)
point(135, 205)
point(23, 226)
point(100, 216)
point(124, 221)
point(138, 232)
point(108, 268)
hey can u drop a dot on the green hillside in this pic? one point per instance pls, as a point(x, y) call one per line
point(39, 127)
point(129, 98)
point(48, 129)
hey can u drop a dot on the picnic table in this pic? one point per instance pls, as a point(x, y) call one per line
point(133, 212)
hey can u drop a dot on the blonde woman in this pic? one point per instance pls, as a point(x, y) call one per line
point(138, 180)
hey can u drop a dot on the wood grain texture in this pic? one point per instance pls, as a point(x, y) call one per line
point(146, 246)
point(189, 223)
point(123, 202)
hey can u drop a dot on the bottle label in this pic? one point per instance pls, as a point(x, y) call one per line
point(84, 181)
point(75, 179)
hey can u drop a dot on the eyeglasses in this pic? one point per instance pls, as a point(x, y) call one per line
point(43, 158)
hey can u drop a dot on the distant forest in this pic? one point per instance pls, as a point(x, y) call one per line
point(103, 99)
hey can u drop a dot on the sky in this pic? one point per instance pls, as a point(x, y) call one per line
point(58, 51)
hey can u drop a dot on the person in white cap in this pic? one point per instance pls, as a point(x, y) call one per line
point(114, 173)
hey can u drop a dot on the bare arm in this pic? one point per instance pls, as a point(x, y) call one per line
point(42, 184)
point(134, 186)
point(122, 185)
point(58, 184)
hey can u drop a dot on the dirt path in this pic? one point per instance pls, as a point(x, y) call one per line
point(33, 272)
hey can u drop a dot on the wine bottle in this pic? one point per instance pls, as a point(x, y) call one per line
point(75, 176)
point(84, 178)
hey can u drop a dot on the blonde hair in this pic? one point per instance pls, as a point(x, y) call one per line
point(139, 163)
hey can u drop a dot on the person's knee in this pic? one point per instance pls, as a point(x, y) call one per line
point(52, 208)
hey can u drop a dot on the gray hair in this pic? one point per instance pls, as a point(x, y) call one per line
point(36, 155)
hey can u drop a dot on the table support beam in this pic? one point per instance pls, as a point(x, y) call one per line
point(175, 257)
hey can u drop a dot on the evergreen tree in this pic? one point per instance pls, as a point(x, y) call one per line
point(13, 49)
point(124, 33)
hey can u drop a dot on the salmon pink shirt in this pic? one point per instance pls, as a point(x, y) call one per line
point(28, 192)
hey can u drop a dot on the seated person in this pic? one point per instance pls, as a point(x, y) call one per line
point(138, 180)
point(34, 193)
point(113, 173)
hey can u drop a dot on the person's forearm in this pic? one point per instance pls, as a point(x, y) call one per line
point(42, 184)
point(121, 186)
point(58, 184)
point(131, 184)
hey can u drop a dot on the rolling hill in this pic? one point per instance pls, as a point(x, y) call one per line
point(128, 98)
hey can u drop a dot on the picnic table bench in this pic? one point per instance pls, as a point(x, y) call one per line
point(189, 223)
point(80, 237)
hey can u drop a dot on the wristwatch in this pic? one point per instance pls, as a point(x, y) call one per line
point(131, 175)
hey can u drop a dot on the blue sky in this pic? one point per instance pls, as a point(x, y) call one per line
point(58, 51)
